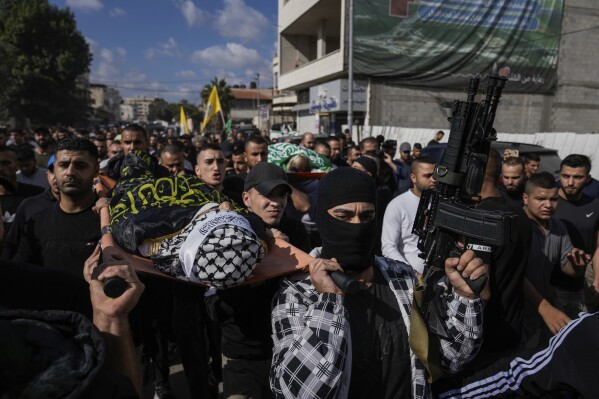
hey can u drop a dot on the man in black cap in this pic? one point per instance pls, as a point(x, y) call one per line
point(244, 312)
point(331, 343)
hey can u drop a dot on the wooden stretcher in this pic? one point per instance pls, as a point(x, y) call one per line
point(282, 258)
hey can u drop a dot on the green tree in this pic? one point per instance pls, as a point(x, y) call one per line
point(159, 109)
point(224, 94)
point(45, 59)
point(191, 111)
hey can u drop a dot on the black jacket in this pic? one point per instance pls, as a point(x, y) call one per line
point(55, 354)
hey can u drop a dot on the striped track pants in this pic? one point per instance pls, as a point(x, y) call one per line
point(569, 363)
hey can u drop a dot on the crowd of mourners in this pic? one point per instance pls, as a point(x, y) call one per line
point(531, 332)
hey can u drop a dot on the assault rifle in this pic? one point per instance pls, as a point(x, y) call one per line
point(447, 213)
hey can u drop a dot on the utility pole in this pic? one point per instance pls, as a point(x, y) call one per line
point(258, 101)
point(350, 71)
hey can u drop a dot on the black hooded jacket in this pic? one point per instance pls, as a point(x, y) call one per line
point(55, 354)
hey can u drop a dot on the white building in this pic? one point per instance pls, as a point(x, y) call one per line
point(313, 62)
point(141, 107)
point(283, 101)
point(127, 113)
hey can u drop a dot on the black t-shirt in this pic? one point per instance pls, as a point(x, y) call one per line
point(29, 207)
point(340, 162)
point(582, 222)
point(60, 240)
point(514, 196)
point(296, 232)
point(10, 202)
point(380, 349)
point(504, 312)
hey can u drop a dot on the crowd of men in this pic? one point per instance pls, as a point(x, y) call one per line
point(302, 335)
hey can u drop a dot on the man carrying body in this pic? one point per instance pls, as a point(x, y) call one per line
point(100, 143)
point(210, 166)
point(256, 151)
point(329, 343)
point(580, 214)
point(239, 163)
point(353, 153)
point(245, 324)
point(308, 141)
point(398, 241)
point(323, 148)
point(369, 146)
point(171, 157)
point(134, 138)
point(66, 233)
point(513, 179)
point(336, 148)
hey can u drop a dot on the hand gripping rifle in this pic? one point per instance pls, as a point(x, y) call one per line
point(447, 213)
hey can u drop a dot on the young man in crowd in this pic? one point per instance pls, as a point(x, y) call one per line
point(580, 214)
point(134, 138)
point(416, 150)
point(240, 165)
point(45, 146)
point(532, 162)
point(397, 240)
point(12, 193)
point(245, 324)
point(29, 172)
point(256, 151)
point(28, 208)
point(513, 179)
point(438, 137)
point(353, 153)
point(551, 248)
point(210, 166)
point(171, 158)
point(336, 148)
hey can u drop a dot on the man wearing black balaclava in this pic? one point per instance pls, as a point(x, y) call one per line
point(332, 344)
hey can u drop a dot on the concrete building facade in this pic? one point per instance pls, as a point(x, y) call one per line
point(141, 106)
point(105, 101)
point(248, 105)
point(313, 51)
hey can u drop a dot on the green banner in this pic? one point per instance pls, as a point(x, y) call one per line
point(443, 43)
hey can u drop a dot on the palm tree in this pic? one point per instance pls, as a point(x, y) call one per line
point(224, 94)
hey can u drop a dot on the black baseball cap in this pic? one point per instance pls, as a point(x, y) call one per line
point(390, 143)
point(265, 177)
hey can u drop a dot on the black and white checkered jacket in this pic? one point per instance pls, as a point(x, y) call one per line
point(312, 357)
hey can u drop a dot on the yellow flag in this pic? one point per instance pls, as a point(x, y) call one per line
point(184, 125)
point(212, 108)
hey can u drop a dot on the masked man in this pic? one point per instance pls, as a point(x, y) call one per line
point(333, 344)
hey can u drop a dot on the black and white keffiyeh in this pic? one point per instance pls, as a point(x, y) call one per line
point(217, 248)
